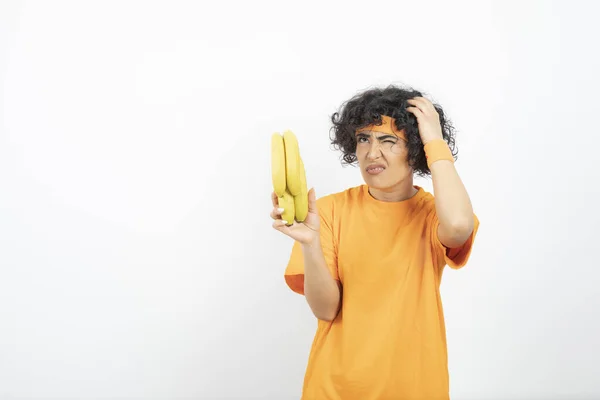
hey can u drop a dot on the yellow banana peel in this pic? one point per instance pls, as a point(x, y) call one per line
point(289, 176)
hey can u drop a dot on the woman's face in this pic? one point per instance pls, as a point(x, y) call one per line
point(382, 157)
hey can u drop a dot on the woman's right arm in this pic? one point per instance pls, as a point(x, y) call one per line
point(322, 292)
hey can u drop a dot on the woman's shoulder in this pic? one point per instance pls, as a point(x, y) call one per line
point(340, 198)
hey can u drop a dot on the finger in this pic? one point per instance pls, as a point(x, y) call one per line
point(282, 226)
point(421, 100)
point(416, 111)
point(276, 213)
point(419, 103)
point(312, 201)
point(423, 104)
point(274, 199)
point(414, 105)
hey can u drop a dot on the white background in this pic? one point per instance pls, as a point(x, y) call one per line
point(137, 258)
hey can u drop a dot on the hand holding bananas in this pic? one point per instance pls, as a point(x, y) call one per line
point(295, 209)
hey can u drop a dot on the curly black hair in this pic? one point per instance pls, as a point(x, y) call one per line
point(367, 108)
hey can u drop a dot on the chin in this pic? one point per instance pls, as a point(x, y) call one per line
point(378, 181)
point(384, 181)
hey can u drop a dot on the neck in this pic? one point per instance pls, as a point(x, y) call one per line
point(403, 190)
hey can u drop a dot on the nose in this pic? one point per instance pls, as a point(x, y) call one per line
point(374, 150)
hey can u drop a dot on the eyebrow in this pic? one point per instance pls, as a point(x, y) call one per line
point(382, 137)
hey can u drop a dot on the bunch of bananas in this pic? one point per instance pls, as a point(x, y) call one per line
point(289, 177)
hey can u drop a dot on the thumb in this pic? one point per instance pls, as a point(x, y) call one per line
point(312, 201)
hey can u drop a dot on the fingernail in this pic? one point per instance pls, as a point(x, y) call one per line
point(284, 222)
point(280, 210)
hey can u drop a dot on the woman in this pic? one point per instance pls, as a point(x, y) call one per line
point(369, 259)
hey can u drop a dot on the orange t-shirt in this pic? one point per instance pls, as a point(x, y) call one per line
point(388, 340)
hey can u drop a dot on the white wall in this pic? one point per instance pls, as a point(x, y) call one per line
point(137, 258)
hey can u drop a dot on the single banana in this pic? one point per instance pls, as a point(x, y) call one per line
point(278, 164)
point(301, 200)
point(286, 201)
point(289, 177)
point(292, 164)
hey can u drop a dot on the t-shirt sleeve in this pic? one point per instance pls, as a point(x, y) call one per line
point(453, 257)
point(294, 271)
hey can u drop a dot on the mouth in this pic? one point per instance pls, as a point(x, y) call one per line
point(375, 169)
